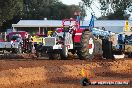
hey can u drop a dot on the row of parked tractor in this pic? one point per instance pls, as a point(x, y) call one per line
point(85, 42)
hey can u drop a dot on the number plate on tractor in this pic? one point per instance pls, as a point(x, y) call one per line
point(50, 41)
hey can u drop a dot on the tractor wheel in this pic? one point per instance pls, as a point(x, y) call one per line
point(130, 55)
point(85, 82)
point(18, 50)
point(64, 53)
point(107, 49)
point(38, 52)
point(87, 49)
point(54, 56)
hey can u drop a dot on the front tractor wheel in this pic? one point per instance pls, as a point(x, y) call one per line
point(87, 49)
point(19, 50)
point(64, 52)
point(54, 56)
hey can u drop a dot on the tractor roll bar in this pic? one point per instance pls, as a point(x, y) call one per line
point(77, 23)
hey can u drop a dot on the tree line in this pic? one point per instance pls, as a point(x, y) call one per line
point(117, 7)
point(11, 11)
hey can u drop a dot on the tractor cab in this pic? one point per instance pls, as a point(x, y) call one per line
point(73, 27)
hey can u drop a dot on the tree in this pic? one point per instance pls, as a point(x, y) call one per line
point(9, 9)
point(111, 9)
point(51, 9)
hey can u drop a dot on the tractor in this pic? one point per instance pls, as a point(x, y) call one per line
point(122, 45)
point(70, 38)
point(128, 44)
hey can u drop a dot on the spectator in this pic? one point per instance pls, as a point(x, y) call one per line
point(19, 39)
point(30, 45)
point(103, 29)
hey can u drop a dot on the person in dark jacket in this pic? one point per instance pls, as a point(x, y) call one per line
point(30, 43)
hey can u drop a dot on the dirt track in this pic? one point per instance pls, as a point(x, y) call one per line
point(61, 73)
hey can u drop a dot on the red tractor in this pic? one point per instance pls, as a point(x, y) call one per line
point(71, 38)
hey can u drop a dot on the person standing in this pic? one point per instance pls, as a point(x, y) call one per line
point(30, 43)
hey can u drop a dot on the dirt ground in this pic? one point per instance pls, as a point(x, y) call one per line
point(27, 73)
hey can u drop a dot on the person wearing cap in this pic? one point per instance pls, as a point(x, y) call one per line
point(72, 28)
point(19, 39)
point(30, 43)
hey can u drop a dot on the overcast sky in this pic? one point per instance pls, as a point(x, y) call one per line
point(96, 10)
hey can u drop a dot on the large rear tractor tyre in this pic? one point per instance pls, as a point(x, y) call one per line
point(87, 50)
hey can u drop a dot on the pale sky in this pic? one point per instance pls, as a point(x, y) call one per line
point(69, 2)
point(76, 2)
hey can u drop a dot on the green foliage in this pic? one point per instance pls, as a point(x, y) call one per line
point(117, 5)
point(9, 9)
point(87, 2)
point(50, 9)
point(118, 15)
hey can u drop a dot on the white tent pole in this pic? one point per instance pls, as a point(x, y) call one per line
point(13, 29)
point(5, 36)
point(43, 30)
point(39, 30)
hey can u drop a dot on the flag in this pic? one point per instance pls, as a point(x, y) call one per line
point(78, 19)
point(126, 26)
point(91, 24)
point(84, 73)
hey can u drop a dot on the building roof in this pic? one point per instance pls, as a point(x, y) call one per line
point(58, 23)
point(37, 23)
